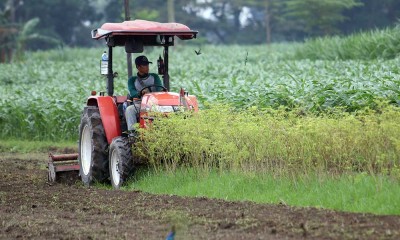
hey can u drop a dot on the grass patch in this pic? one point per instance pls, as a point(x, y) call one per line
point(26, 146)
point(347, 192)
point(376, 44)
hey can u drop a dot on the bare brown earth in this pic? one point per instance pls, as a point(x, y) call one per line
point(30, 208)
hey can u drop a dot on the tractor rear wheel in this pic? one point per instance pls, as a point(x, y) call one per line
point(93, 155)
point(121, 161)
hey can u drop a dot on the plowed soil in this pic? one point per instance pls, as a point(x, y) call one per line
point(31, 208)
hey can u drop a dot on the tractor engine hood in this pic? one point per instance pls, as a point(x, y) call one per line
point(168, 102)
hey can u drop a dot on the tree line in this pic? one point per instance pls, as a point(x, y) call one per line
point(42, 24)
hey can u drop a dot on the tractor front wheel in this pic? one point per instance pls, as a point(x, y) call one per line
point(121, 161)
point(93, 155)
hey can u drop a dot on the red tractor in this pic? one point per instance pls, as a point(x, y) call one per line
point(105, 150)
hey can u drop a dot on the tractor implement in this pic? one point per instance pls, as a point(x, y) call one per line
point(62, 166)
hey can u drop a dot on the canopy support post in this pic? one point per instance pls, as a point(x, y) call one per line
point(128, 55)
point(166, 75)
point(110, 74)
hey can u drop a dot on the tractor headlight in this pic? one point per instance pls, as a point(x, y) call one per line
point(163, 109)
point(179, 108)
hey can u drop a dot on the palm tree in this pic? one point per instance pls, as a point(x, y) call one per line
point(14, 37)
point(13, 41)
point(28, 33)
point(7, 34)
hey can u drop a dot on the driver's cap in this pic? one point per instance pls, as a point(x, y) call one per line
point(142, 60)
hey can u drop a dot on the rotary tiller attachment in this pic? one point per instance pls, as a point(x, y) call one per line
point(63, 167)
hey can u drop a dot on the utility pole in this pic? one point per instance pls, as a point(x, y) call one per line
point(171, 10)
point(128, 55)
point(268, 21)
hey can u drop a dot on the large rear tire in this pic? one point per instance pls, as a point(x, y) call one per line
point(93, 155)
point(121, 161)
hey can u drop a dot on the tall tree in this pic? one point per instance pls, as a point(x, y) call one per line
point(15, 37)
point(318, 17)
point(271, 10)
point(66, 20)
point(8, 30)
point(373, 14)
point(219, 21)
point(242, 21)
point(28, 33)
point(224, 22)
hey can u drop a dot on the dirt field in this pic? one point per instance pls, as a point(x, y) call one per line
point(30, 208)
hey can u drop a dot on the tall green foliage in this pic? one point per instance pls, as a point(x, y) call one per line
point(219, 21)
point(377, 44)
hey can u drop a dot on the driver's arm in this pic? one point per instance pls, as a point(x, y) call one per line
point(131, 87)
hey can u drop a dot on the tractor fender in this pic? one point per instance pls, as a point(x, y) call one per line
point(109, 115)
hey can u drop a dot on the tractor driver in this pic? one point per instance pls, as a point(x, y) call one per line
point(138, 86)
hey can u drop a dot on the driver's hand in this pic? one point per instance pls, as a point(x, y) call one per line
point(144, 91)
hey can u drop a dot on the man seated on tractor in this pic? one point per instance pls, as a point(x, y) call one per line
point(144, 82)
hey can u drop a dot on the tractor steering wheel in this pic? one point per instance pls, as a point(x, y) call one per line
point(149, 87)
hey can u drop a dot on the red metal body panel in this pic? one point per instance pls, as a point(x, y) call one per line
point(194, 103)
point(144, 119)
point(109, 115)
point(161, 99)
point(143, 27)
point(164, 99)
point(168, 99)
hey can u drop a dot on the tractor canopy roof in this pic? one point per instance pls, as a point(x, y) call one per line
point(138, 33)
point(143, 28)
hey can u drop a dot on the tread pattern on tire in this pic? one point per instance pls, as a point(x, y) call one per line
point(126, 166)
point(99, 163)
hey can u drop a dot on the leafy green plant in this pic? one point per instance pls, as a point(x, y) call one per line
point(277, 141)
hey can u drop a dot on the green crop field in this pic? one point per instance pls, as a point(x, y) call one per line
point(354, 99)
point(42, 97)
point(328, 106)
